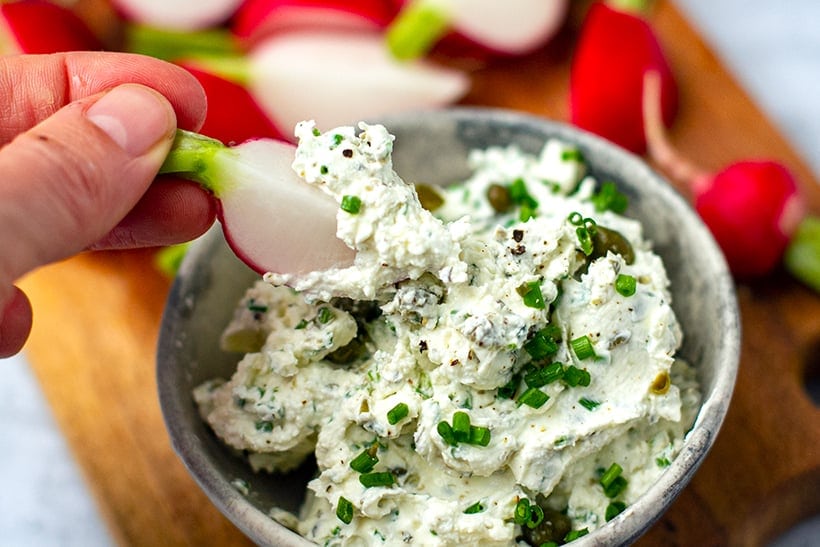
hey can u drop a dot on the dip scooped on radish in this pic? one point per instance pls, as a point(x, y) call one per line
point(272, 219)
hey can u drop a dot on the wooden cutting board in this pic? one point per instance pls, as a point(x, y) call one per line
point(97, 319)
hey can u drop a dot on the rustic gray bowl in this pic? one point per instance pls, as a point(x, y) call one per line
point(433, 147)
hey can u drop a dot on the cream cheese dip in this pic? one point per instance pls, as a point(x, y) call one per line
point(496, 368)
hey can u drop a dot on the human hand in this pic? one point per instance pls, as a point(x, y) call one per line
point(83, 135)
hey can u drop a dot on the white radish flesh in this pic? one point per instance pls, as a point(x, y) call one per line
point(178, 14)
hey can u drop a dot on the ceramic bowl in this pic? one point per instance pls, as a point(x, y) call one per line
point(433, 147)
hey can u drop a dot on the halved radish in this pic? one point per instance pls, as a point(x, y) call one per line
point(258, 19)
point(335, 78)
point(512, 27)
point(273, 220)
point(178, 14)
point(37, 26)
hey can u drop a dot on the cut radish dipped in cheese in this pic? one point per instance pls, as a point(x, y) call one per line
point(272, 220)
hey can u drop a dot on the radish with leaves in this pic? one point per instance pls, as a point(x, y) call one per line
point(37, 26)
point(334, 77)
point(272, 220)
point(258, 19)
point(615, 48)
point(489, 27)
point(751, 207)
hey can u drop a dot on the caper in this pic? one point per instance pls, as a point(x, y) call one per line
point(429, 197)
point(347, 354)
point(660, 385)
point(499, 198)
point(605, 239)
point(554, 527)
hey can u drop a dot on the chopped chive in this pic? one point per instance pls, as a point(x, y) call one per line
point(257, 308)
point(585, 240)
point(522, 511)
point(344, 510)
point(397, 413)
point(572, 535)
point(625, 285)
point(609, 198)
point(574, 376)
point(576, 219)
point(520, 195)
point(615, 488)
point(582, 346)
point(526, 213)
point(663, 461)
point(378, 478)
point(572, 154)
point(265, 426)
point(544, 376)
point(536, 516)
point(589, 404)
point(325, 315)
point(614, 509)
point(461, 426)
point(323, 169)
point(507, 391)
point(479, 435)
point(549, 544)
point(611, 474)
point(301, 324)
point(351, 204)
point(533, 397)
point(531, 293)
point(541, 345)
point(477, 507)
point(364, 462)
point(337, 139)
point(446, 433)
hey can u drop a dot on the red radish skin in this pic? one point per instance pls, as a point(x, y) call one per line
point(37, 26)
point(613, 52)
point(259, 19)
point(751, 207)
point(233, 115)
point(481, 30)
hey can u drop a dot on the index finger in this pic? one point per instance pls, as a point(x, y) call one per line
point(35, 86)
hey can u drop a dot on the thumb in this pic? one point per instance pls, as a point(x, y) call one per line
point(70, 179)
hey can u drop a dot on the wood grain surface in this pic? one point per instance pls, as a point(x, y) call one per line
point(97, 319)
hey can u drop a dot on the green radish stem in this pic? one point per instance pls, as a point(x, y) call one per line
point(193, 157)
point(802, 257)
point(172, 45)
point(416, 30)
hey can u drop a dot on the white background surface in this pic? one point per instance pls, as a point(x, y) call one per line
point(773, 48)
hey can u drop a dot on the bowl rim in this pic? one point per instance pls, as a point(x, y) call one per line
point(627, 526)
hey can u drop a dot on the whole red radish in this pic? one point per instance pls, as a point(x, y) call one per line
point(233, 114)
point(752, 207)
point(474, 28)
point(37, 26)
point(614, 50)
point(258, 19)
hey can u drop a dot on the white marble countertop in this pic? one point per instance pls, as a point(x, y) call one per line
point(773, 48)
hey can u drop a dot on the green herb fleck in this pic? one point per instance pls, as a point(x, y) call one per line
point(614, 509)
point(397, 413)
point(344, 510)
point(531, 293)
point(582, 346)
point(575, 534)
point(625, 285)
point(477, 507)
point(366, 461)
point(325, 315)
point(378, 478)
point(589, 404)
point(351, 204)
point(264, 426)
point(609, 198)
point(301, 324)
point(533, 397)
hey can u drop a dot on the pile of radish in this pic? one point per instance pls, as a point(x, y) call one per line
point(266, 64)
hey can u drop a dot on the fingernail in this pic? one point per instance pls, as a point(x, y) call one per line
point(135, 117)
